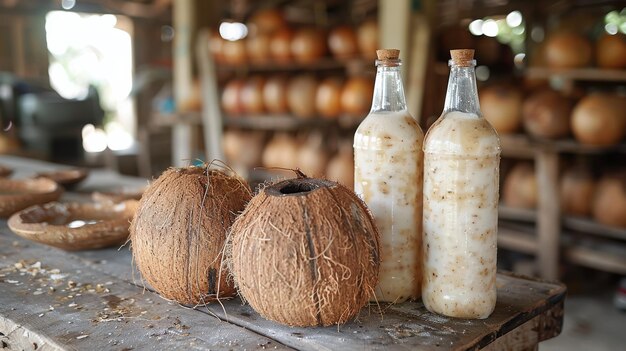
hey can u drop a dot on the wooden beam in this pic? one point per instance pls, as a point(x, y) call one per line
point(393, 23)
point(418, 64)
point(182, 133)
point(211, 113)
point(549, 217)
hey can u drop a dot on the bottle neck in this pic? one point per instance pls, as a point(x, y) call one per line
point(388, 90)
point(462, 94)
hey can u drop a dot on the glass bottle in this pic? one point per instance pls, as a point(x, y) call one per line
point(461, 172)
point(388, 177)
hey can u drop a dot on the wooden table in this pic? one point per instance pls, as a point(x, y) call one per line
point(95, 300)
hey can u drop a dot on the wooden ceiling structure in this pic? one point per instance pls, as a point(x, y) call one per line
point(153, 9)
point(451, 12)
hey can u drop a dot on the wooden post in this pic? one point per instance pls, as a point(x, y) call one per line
point(548, 213)
point(418, 64)
point(182, 132)
point(19, 62)
point(211, 114)
point(393, 21)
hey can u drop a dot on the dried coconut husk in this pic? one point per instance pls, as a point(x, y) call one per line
point(179, 230)
point(305, 252)
point(58, 224)
point(16, 195)
point(67, 178)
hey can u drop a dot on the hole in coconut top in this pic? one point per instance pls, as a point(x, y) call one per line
point(294, 188)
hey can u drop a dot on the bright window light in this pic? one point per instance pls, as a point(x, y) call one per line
point(233, 30)
point(514, 19)
point(117, 137)
point(68, 4)
point(518, 60)
point(94, 139)
point(490, 28)
point(476, 27)
point(94, 50)
point(88, 129)
point(611, 28)
point(518, 30)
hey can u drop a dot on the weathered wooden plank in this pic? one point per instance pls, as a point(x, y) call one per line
point(59, 303)
point(399, 327)
point(411, 326)
point(528, 335)
point(403, 326)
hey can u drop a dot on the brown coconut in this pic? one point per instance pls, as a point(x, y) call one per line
point(520, 186)
point(312, 156)
point(179, 230)
point(577, 190)
point(305, 252)
point(609, 201)
point(546, 114)
point(341, 167)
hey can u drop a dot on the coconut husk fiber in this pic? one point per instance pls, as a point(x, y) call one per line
point(305, 252)
point(178, 232)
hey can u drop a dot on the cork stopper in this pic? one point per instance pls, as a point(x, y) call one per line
point(388, 54)
point(462, 57)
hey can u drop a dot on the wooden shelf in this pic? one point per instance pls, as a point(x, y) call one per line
point(591, 252)
point(578, 224)
point(326, 63)
point(517, 214)
point(289, 122)
point(516, 145)
point(523, 146)
point(517, 239)
point(589, 226)
point(260, 122)
point(274, 122)
point(579, 74)
point(170, 119)
point(599, 257)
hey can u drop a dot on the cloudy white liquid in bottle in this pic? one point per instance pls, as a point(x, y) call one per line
point(388, 177)
point(461, 172)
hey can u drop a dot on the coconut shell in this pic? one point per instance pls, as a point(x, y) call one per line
point(5, 171)
point(50, 224)
point(117, 196)
point(179, 230)
point(16, 195)
point(305, 252)
point(520, 187)
point(609, 201)
point(68, 178)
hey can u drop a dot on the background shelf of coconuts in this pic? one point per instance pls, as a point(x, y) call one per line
point(52, 299)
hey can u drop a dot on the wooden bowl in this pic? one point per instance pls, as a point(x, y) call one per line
point(67, 178)
point(117, 196)
point(17, 194)
point(5, 171)
point(75, 226)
